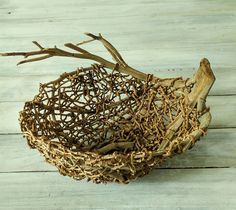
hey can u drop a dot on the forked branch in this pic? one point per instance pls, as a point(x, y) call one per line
point(44, 53)
point(114, 53)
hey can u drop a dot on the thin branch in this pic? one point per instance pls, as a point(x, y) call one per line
point(76, 48)
point(85, 42)
point(38, 45)
point(25, 54)
point(114, 53)
point(117, 145)
point(34, 59)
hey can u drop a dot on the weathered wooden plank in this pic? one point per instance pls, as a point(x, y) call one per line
point(167, 39)
point(214, 150)
point(163, 189)
point(125, 16)
point(22, 88)
point(217, 149)
point(15, 155)
point(184, 39)
point(222, 109)
point(130, 8)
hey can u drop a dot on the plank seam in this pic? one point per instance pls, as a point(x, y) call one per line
point(175, 168)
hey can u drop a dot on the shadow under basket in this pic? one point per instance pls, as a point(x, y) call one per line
point(107, 124)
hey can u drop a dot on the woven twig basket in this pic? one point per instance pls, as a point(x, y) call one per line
point(110, 122)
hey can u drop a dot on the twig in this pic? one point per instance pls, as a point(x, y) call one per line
point(118, 145)
point(76, 48)
point(85, 42)
point(38, 45)
point(34, 59)
point(114, 53)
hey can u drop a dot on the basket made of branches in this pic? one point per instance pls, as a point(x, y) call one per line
point(110, 122)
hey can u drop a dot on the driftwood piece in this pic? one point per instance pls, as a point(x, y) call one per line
point(117, 125)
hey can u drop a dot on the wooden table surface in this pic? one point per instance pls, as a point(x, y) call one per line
point(166, 38)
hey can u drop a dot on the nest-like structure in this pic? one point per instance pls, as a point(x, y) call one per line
point(105, 125)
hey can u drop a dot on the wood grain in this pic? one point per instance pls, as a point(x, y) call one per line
point(163, 189)
point(167, 37)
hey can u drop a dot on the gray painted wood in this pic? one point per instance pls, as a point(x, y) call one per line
point(22, 87)
point(209, 189)
point(150, 34)
point(153, 36)
point(217, 149)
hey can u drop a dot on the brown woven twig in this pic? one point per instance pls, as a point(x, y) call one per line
point(117, 125)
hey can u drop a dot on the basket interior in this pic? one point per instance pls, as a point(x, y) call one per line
point(90, 109)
